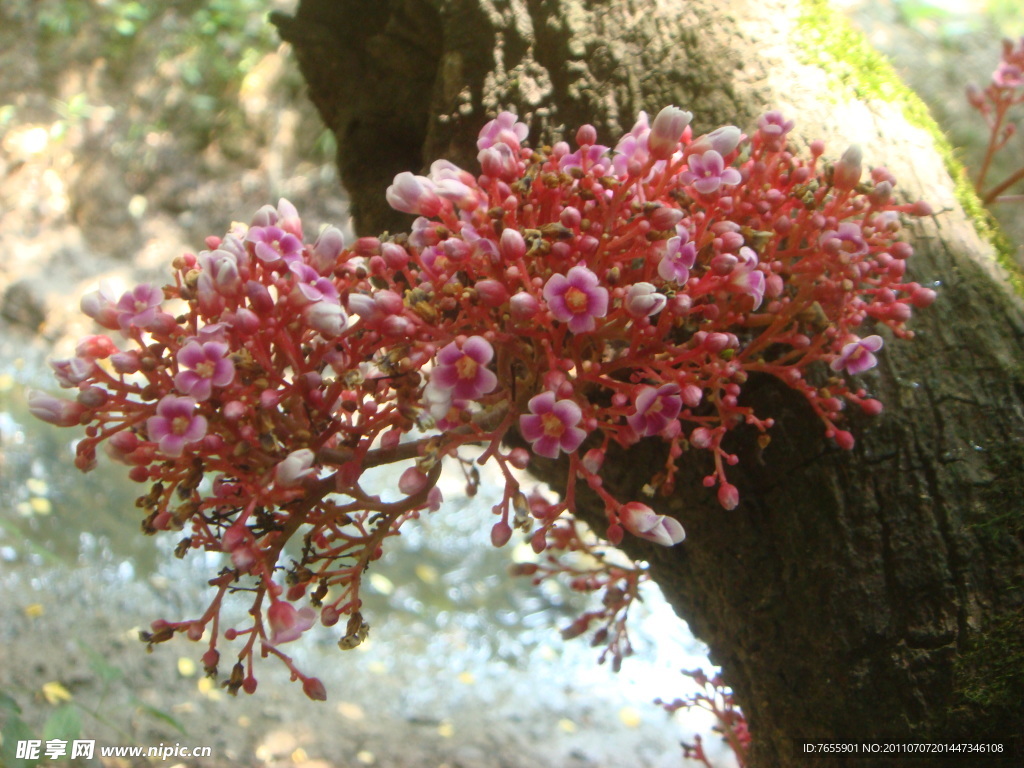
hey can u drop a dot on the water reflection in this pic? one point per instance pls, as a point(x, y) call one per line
point(455, 642)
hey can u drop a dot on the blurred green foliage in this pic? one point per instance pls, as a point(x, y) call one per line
point(196, 53)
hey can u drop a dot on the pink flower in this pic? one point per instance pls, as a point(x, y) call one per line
point(551, 426)
point(631, 153)
point(1008, 75)
point(139, 306)
point(594, 157)
point(175, 425)
point(679, 257)
point(655, 409)
point(773, 127)
point(204, 365)
point(286, 623)
point(848, 238)
point(748, 278)
point(643, 522)
point(272, 244)
point(414, 194)
point(857, 356)
point(576, 298)
point(708, 172)
point(72, 372)
point(464, 372)
point(310, 286)
point(504, 129)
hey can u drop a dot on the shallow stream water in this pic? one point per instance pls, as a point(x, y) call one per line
point(464, 665)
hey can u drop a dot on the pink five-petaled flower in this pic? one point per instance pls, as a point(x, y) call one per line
point(504, 129)
point(272, 244)
point(643, 522)
point(464, 372)
point(203, 366)
point(175, 425)
point(708, 172)
point(677, 260)
point(286, 623)
point(551, 425)
point(857, 356)
point(139, 306)
point(576, 298)
point(656, 408)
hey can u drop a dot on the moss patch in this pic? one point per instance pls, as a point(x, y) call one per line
point(828, 41)
point(990, 672)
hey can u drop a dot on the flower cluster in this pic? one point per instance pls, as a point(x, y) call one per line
point(584, 298)
point(715, 697)
point(995, 103)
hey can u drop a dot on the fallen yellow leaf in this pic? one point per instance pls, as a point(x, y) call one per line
point(55, 693)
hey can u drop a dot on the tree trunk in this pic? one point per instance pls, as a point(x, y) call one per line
point(868, 595)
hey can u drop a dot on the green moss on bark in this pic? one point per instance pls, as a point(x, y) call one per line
point(990, 672)
point(829, 42)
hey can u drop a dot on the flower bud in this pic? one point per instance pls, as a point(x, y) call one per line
point(260, 299)
point(96, 346)
point(53, 410)
point(491, 292)
point(847, 172)
point(101, 307)
point(728, 496)
point(586, 136)
point(414, 194)
point(523, 306)
point(511, 245)
point(665, 218)
point(326, 250)
point(666, 131)
point(501, 533)
point(412, 481)
point(643, 300)
point(644, 523)
point(395, 256)
point(296, 467)
point(722, 140)
point(327, 318)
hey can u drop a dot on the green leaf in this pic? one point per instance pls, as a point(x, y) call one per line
point(8, 704)
point(14, 731)
point(64, 724)
point(159, 714)
point(106, 671)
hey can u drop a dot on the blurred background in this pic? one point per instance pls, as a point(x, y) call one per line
point(129, 131)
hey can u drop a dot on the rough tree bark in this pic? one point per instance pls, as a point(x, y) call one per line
point(873, 594)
